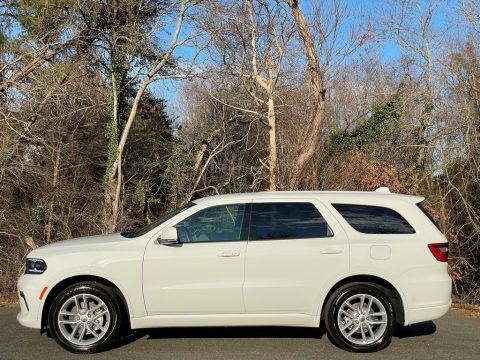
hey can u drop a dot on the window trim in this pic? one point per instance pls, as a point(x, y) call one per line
point(242, 230)
point(371, 205)
point(289, 201)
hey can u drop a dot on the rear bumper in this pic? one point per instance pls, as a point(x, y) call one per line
point(427, 291)
point(427, 313)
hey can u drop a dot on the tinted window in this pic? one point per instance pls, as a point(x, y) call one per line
point(287, 221)
point(374, 219)
point(217, 223)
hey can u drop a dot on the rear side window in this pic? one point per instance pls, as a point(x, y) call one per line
point(374, 219)
point(270, 221)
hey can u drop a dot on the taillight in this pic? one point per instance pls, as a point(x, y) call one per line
point(440, 251)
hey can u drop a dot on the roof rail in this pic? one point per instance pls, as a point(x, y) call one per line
point(383, 190)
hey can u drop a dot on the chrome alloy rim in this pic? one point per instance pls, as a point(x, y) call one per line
point(362, 319)
point(84, 319)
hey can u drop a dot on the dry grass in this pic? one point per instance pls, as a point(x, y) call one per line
point(8, 302)
point(472, 310)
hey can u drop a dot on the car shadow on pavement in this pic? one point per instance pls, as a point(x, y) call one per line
point(222, 332)
point(236, 332)
point(420, 329)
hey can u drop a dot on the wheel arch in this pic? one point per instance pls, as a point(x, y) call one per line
point(61, 285)
point(394, 293)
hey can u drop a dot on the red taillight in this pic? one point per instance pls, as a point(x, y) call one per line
point(440, 251)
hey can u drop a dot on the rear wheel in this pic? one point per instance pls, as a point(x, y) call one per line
point(360, 317)
point(85, 318)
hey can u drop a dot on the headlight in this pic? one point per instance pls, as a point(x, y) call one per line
point(35, 266)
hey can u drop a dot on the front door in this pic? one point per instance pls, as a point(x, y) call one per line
point(204, 272)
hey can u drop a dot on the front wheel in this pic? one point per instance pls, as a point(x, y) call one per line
point(360, 317)
point(85, 318)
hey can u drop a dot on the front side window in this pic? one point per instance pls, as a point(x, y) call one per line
point(217, 223)
point(374, 219)
point(270, 221)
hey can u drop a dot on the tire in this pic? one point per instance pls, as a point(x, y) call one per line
point(85, 318)
point(367, 330)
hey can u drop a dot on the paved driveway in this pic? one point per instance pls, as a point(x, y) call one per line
point(455, 336)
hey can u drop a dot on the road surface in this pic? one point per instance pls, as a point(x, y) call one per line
point(455, 336)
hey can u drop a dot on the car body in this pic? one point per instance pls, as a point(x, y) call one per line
point(282, 275)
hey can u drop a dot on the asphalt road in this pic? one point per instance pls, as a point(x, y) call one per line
point(455, 336)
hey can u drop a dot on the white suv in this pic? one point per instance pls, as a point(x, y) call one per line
point(360, 261)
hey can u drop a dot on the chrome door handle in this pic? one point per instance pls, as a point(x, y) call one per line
point(229, 254)
point(331, 251)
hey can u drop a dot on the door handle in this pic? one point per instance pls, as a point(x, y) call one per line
point(331, 251)
point(229, 254)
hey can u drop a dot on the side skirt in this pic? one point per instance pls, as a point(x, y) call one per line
point(300, 320)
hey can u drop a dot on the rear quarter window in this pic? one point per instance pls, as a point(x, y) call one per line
point(369, 219)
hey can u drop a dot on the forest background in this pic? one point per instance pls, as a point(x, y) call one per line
point(113, 112)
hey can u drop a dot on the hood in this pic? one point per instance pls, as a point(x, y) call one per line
point(84, 244)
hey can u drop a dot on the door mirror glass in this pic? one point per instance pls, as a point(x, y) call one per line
point(168, 236)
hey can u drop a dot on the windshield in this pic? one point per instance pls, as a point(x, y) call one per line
point(154, 224)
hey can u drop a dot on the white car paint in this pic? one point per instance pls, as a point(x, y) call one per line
point(274, 282)
point(289, 276)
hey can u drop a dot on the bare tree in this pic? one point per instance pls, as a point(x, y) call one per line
point(410, 25)
point(317, 94)
point(459, 143)
point(273, 65)
point(21, 131)
point(470, 10)
point(260, 33)
point(114, 182)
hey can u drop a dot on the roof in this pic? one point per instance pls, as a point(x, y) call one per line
point(383, 193)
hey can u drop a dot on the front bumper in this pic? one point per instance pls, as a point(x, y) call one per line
point(29, 289)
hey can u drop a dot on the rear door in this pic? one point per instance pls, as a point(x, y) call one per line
point(295, 248)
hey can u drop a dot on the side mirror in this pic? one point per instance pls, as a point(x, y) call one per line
point(168, 236)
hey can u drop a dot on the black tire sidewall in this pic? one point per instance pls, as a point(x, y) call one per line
point(334, 305)
point(110, 300)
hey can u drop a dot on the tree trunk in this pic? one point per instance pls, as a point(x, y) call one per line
point(111, 198)
point(426, 117)
point(51, 203)
point(317, 93)
point(272, 161)
point(268, 84)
